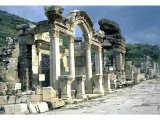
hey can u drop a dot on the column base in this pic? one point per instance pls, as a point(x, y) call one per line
point(68, 100)
point(88, 92)
point(98, 88)
point(65, 85)
point(107, 92)
point(98, 92)
point(82, 97)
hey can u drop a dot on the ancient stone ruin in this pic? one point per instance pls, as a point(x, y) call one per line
point(56, 68)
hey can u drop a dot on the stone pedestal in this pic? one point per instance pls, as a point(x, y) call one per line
point(80, 87)
point(65, 87)
point(107, 87)
point(98, 88)
point(136, 81)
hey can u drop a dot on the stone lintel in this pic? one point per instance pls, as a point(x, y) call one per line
point(26, 39)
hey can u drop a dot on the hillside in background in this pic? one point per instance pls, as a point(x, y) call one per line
point(138, 52)
point(8, 23)
point(135, 52)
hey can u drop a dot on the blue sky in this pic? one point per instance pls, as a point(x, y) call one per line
point(138, 24)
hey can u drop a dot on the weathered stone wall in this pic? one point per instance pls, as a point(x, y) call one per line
point(9, 65)
point(11, 73)
point(25, 66)
point(45, 69)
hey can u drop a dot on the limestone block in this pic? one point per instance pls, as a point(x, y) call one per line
point(113, 84)
point(26, 39)
point(48, 93)
point(98, 88)
point(12, 99)
point(55, 103)
point(25, 98)
point(2, 110)
point(107, 87)
point(141, 77)
point(65, 86)
point(136, 80)
point(147, 76)
point(38, 90)
point(3, 88)
point(3, 100)
point(36, 98)
point(18, 99)
point(32, 108)
point(150, 71)
point(16, 109)
point(42, 106)
point(73, 94)
point(113, 76)
point(80, 87)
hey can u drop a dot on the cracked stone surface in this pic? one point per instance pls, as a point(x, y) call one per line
point(143, 98)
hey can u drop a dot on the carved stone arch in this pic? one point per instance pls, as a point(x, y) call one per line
point(82, 19)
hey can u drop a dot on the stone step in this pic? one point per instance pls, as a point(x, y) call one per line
point(93, 96)
point(78, 101)
point(16, 109)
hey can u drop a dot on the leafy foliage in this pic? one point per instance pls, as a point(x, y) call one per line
point(138, 52)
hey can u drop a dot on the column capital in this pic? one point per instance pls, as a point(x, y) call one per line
point(99, 49)
point(88, 45)
point(54, 32)
point(71, 38)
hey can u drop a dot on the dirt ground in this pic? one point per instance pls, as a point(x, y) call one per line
point(143, 98)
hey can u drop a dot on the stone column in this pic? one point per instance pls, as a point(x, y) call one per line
point(39, 62)
point(71, 57)
point(118, 57)
point(89, 82)
point(100, 61)
point(65, 86)
point(39, 66)
point(104, 57)
point(80, 86)
point(97, 63)
point(107, 87)
point(54, 58)
point(98, 88)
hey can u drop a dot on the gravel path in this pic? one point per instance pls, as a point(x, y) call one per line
point(143, 98)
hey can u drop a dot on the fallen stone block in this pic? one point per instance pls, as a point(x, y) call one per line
point(55, 103)
point(11, 100)
point(32, 108)
point(2, 110)
point(16, 109)
point(25, 98)
point(3, 88)
point(36, 98)
point(76, 101)
point(3, 100)
point(48, 93)
point(93, 96)
point(42, 106)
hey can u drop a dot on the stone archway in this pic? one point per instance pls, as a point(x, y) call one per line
point(81, 19)
point(66, 25)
